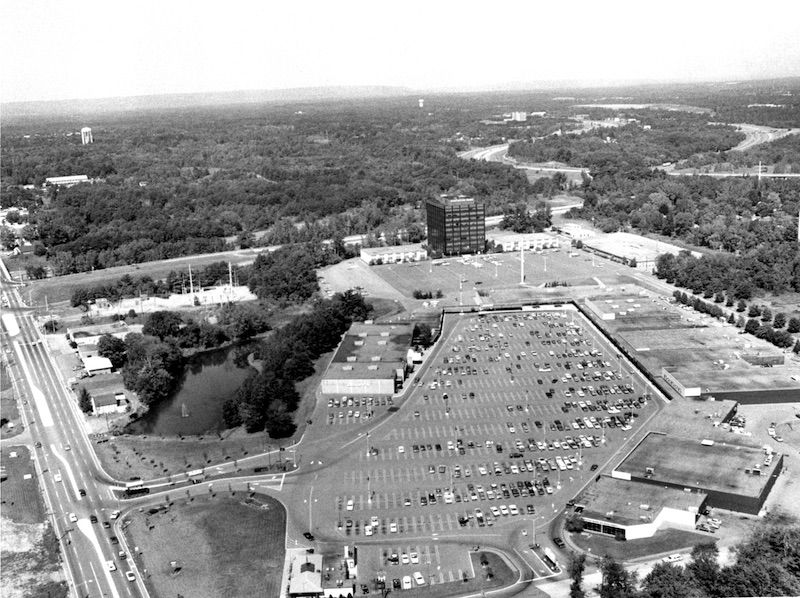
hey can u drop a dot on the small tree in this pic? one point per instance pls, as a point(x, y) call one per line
point(796, 348)
point(794, 325)
point(574, 523)
point(576, 566)
point(85, 400)
point(754, 311)
point(729, 302)
point(741, 305)
point(766, 315)
point(751, 326)
point(780, 320)
point(719, 298)
point(731, 319)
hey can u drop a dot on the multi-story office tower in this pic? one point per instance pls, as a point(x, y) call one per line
point(456, 225)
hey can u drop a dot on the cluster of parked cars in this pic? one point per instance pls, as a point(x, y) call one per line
point(361, 407)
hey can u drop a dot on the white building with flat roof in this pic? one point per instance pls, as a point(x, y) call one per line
point(511, 241)
point(393, 255)
point(67, 181)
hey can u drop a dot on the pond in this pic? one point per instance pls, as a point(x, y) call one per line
point(209, 380)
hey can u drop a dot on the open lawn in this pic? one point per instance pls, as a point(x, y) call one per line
point(222, 547)
point(61, 288)
point(664, 541)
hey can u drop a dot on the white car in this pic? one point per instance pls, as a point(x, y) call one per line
point(674, 558)
point(418, 578)
point(513, 510)
point(414, 558)
point(401, 449)
point(367, 530)
point(393, 527)
point(111, 566)
point(130, 576)
point(73, 518)
point(57, 477)
point(350, 505)
point(407, 582)
point(404, 558)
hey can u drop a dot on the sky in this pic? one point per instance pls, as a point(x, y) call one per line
point(75, 49)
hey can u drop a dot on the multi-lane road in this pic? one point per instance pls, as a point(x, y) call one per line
point(74, 485)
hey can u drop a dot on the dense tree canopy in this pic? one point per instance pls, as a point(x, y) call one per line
point(268, 398)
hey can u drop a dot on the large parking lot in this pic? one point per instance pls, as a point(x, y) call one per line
point(513, 413)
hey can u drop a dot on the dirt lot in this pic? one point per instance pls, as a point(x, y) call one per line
point(222, 547)
point(30, 553)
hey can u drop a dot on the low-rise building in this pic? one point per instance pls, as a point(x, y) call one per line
point(67, 181)
point(393, 255)
point(631, 510)
point(107, 393)
point(511, 241)
point(90, 335)
point(371, 359)
point(97, 365)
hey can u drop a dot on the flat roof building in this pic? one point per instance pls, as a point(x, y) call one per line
point(372, 359)
point(456, 225)
point(735, 477)
point(67, 181)
point(393, 255)
point(632, 510)
point(511, 241)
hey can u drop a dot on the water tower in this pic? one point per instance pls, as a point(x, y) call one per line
point(86, 136)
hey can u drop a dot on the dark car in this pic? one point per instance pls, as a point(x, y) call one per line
point(308, 536)
point(114, 540)
point(93, 518)
point(396, 584)
point(82, 492)
point(593, 467)
point(106, 524)
point(558, 542)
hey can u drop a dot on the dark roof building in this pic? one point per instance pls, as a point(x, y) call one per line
point(456, 225)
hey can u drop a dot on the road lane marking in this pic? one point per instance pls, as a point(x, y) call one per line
point(86, 528)
point(45, 416)
point(69, 471)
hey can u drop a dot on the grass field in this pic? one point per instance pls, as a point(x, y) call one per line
point(8, 405)
point(222, 547)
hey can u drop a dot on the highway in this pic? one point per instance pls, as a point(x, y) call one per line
point(72, 481)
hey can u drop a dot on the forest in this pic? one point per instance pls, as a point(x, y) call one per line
point(169, 183)
point(749, 228)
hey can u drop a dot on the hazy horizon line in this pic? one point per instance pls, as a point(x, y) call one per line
point(334, 92)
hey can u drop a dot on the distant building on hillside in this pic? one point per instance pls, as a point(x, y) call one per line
point(86, 136)
point(456, 225)
point(66, 181)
